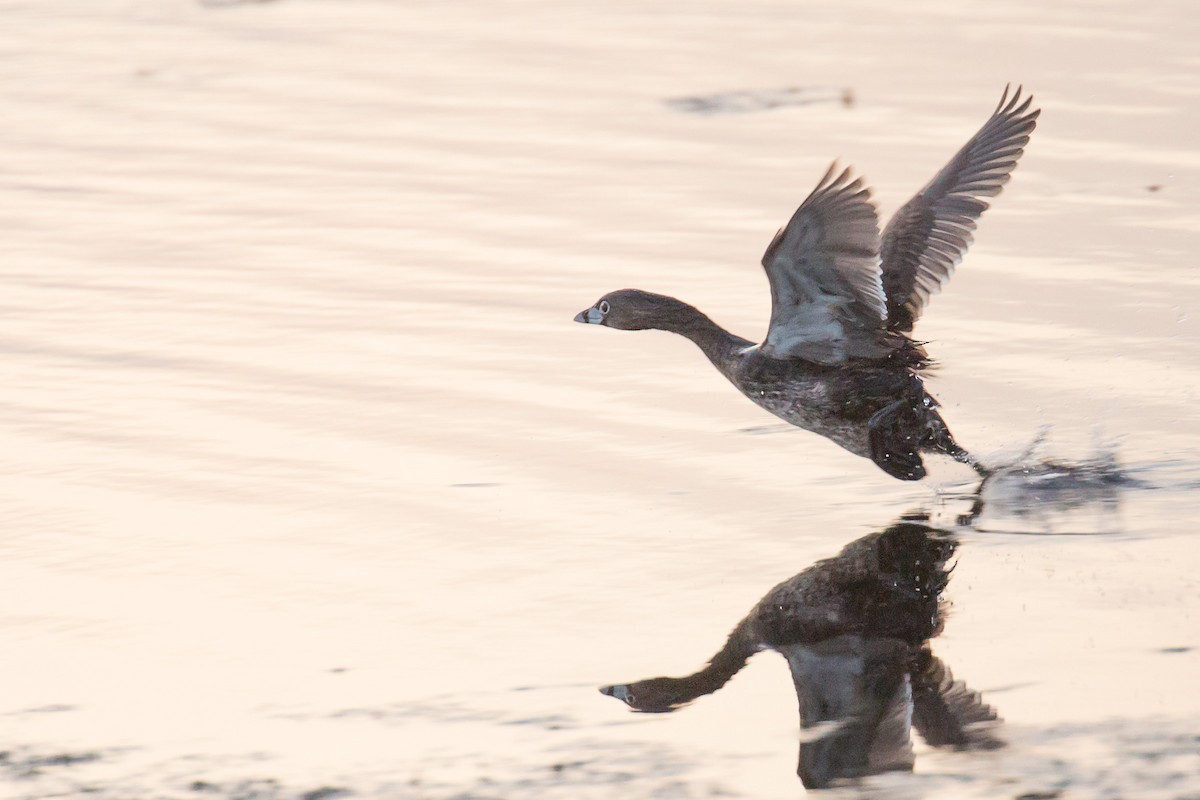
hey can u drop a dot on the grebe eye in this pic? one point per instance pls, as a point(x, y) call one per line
point(604, 306)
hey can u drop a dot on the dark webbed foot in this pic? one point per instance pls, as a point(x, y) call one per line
point(894, 448)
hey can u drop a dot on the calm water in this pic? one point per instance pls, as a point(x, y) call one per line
point(311, 483)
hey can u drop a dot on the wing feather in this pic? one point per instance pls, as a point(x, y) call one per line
point(827, 301)
point(946, 712)
point(930, 234)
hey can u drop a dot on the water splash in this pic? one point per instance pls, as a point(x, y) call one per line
point(1037, 493)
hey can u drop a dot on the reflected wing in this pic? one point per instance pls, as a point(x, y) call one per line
point(854, 714)
point(827, 301)
point(929, 235)
point(946, 712)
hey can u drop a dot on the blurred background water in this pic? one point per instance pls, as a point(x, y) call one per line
point(312, 487)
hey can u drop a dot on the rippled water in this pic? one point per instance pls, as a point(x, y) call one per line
point(312, 486)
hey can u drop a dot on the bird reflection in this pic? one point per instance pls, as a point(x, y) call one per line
point(855, 630)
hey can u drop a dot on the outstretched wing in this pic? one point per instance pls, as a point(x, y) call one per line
point(929, 235)
point(827, 302)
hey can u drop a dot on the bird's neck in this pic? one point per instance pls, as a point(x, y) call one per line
point(721, 667)
point(714, 341)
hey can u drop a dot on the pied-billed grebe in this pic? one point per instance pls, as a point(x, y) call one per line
point(838, 359)
point(855, 630)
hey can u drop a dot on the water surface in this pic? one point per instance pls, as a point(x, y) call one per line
point(312, 484)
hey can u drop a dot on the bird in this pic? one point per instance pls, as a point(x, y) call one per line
point(839, 358)
point(855, 631)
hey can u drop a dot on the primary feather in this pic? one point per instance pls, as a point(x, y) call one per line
point(928, 237)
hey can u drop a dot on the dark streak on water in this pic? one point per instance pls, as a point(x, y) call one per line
point(750, 101)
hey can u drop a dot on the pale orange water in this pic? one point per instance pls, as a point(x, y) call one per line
point(311, 481)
